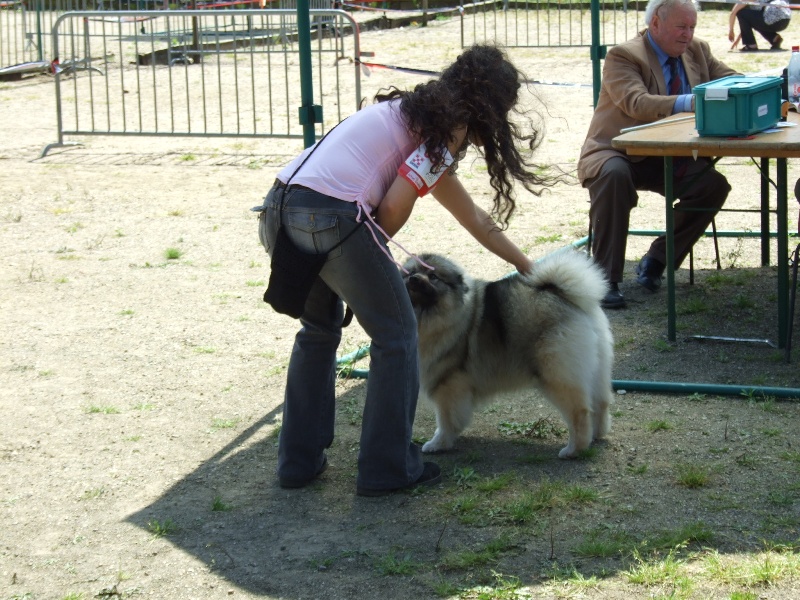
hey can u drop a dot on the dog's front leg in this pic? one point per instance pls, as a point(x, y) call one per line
point(454, 405)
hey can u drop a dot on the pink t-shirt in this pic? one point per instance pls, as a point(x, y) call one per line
point(358, 160)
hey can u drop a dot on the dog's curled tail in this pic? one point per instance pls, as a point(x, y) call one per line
point(575, 274)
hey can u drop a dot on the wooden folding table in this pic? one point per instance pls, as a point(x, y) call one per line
point(676, 136)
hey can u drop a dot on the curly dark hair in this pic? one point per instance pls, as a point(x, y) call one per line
point(478, 90)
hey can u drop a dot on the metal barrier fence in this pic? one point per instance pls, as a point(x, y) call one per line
point(553, 24)
point(548, 23)
point(20, 39)
point(199, 73)
point(25, 25)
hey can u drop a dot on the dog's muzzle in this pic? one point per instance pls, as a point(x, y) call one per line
point(420, 290)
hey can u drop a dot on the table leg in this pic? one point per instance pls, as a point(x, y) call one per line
point(783, 254)
point(669, 198)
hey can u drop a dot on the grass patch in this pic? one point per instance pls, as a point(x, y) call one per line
point(173, 253)
point(470, 559)
point(663, 346)
point(218, 423)
point(217, 505)
point(396, 562)
point(93, 493)
point(692, 476)
point(658, 425)
point(698, 533)
point(539, 429)
point(692, 306)
point(104, 410)
point(602, 543)
point(162, 528)
point(656, 571)
point(495, 483)
point(751, 570)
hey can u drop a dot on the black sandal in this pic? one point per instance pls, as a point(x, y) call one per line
point(431, 475)
point(294, 484)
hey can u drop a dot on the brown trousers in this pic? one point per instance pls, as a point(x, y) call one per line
point(613, 193)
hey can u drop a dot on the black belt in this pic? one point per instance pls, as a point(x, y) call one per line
point(279, 185)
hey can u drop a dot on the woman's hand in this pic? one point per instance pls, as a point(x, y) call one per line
point(526, 267)
point(454, 197)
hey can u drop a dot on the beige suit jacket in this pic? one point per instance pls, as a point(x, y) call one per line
point(634, 93)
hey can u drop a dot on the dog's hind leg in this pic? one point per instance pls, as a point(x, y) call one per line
point(454, 408)
point(572, 401)
point(601, 403)
point(602, 391)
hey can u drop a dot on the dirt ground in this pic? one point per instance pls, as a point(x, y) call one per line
point(141, 395)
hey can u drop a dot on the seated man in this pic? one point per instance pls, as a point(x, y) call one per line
point(645, 79)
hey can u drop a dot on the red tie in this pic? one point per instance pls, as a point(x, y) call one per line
point(675, 83)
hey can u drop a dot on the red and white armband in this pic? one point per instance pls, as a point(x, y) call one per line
point(417, 170)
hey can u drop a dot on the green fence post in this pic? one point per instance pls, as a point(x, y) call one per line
point(309, 112)
point(597, 51)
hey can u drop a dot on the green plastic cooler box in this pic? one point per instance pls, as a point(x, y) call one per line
point(737, 106)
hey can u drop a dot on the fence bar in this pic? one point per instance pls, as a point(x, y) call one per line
point(199, 72)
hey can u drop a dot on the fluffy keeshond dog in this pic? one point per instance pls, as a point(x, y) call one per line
point(478, 338)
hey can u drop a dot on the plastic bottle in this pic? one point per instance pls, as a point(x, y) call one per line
point(794, 75)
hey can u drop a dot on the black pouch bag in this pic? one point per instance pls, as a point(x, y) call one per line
point(292, 273)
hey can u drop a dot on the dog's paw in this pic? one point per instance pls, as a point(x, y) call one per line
point(437, 444)
point(430, 447)
point(566, 452)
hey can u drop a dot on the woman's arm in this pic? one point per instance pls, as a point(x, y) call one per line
point(732, 20)
point(396, 206)
point(451, 194)
point(398, 202)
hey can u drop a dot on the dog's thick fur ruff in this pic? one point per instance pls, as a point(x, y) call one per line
point(545, 329)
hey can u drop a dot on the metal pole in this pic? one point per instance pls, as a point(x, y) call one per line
point(765, 193)
point(669, 198)
point(703, 388)
point(783, 254)
point(39, 30)
point(596, 52)
point(309, 112)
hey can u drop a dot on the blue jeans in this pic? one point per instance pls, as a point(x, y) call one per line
point(362, 275)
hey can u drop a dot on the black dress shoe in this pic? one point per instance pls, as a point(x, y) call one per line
point(648, 273)
point(614, 298)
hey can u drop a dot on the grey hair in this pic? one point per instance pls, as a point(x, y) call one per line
point(654, 5)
